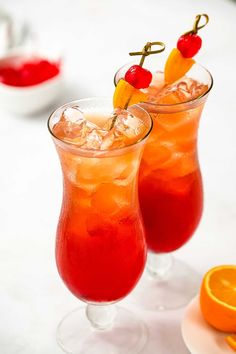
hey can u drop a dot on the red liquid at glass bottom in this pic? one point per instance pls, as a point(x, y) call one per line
point(100, 257)
point(171, 209)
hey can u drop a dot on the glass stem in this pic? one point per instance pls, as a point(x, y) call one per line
point(159, 265)
point(101, 317)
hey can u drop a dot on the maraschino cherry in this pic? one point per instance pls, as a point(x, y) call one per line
point(30, 72)
point(190, 43)
point(137, 76)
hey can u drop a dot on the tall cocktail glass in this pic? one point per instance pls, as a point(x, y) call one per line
point(170, 184)
point(100, 245)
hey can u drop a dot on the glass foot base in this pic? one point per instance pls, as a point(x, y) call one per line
point(75, 334)
point(173, 291)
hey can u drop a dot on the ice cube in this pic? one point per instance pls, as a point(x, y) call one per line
point(78, 130)
point(108, 140)
point(70, 124)
point(190, 89)
point(112, 119)
point(157, 83)
point(93, 139)
point(181, 91)
point(74, 115)
point(133, 123)
point(101, 225)
point(98, 139)
point(120, 127)
point(197, 89)
point(128, 125)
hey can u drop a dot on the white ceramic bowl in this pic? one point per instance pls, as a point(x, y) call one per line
point(30, 99)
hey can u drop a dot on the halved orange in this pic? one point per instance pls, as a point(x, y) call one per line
point(231, 340)
point(218, 298)
point(176, 66)
point(126, 95)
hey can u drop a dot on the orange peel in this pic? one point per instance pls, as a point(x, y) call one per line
point(176, 66)
point(231, 340)
point(126, 95)
point(218, 298)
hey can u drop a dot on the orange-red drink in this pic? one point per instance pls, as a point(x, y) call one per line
point(100, 249)
point(170, 183)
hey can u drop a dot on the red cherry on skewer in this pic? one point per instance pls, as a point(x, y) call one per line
point(189, 45)
point(138, 77)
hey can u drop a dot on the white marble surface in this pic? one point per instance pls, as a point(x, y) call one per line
point(95, 37)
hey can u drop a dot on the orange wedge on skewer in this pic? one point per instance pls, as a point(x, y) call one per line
point(176, 66)
point(126, 95)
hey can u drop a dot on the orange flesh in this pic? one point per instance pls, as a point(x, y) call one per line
point(223, 286)
point(126, 95)
point(176, 66)
point(231, 340)
point(218, 298)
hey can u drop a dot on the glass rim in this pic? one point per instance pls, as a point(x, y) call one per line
point(179, 104)
point(97, 151)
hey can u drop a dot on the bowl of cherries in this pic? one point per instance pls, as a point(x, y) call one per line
point(29, 82)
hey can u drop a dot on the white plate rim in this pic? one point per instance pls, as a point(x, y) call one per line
point(199, 337)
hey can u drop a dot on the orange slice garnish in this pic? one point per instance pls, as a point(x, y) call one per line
point(231, 340)
point(126, 95)
point(176, 66)
point(218, 298)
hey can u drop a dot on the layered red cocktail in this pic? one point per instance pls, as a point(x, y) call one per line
point(170, 183)
point(100, 249)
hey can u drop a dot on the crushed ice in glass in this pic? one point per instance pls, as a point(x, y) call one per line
point(182, 90)
point(120, 129)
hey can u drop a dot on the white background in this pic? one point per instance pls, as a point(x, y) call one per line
point(95, 38)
